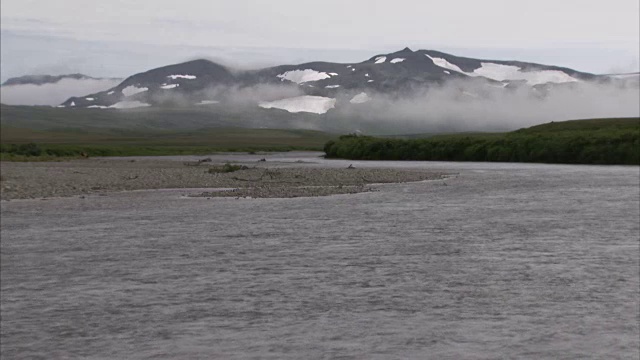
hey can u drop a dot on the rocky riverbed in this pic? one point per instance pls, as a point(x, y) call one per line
point(258, 180)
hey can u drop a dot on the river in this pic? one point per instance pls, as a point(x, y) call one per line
point(497, 261)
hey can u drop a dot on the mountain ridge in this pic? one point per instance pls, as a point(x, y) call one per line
point(204, 82)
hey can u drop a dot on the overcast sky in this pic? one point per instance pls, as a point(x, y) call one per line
point(119, 37)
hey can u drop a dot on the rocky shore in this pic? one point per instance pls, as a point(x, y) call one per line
point(23, 180)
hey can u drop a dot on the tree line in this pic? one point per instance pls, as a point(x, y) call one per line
point(601, 145)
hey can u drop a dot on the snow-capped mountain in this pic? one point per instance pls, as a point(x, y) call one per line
point(317, 87)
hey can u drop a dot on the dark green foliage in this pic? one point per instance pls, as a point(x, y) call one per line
point(615, 141)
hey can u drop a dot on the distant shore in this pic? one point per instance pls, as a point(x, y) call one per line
point(25, 180)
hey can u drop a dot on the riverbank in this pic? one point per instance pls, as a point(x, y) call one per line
point(24, 180)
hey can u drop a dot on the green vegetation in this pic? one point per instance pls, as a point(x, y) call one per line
point(37, 133)
point(24, 144)
point(143, 120)
point(597, 141)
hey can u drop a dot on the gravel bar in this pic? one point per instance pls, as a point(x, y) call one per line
point(24, 180)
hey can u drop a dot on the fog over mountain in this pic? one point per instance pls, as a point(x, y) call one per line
point(402, 91)
point(255, 59)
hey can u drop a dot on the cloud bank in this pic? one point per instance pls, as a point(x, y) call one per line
point(52, 94)
point(466, 106)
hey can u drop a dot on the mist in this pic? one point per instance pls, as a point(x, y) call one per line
point(457, 106)
point(238, 97)
point(468, 106)
point(52, 94)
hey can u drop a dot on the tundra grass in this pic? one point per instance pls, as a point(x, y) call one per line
point(25, 144)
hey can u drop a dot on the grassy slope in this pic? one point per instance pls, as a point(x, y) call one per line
point(226, 138)
point(584, 125)
point(161, 143)
point(150, 119)
point(69, 132)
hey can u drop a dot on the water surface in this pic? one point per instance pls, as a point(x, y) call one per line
point(500, 261)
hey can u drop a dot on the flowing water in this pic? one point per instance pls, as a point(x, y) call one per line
point(498, 261)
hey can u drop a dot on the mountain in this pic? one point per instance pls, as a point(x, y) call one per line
point(317, 87)
point(403, 92)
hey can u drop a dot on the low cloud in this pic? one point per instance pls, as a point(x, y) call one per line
point(52, 94)
point(466, 106)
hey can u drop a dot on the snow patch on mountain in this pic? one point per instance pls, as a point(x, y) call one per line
point(97, 107)
point(132, 90)
point(500, 72)
point(302, 76)
point(306, 103)
point(110, 92)
point(380, 59)
point(188, 77)
point(360, 98)
point(169, 86)
point(332, 86)
point(333, 74)
point(443, 63)
point(89, 99)
point(129, 105)
point(397, 60)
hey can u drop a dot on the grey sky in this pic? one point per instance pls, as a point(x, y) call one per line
point(74, 35)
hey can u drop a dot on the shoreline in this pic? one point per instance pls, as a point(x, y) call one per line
point(34, 180)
